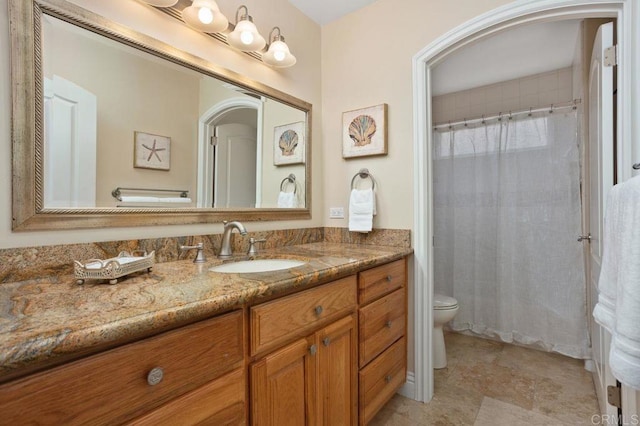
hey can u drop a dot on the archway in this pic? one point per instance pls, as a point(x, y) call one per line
point(509, 16)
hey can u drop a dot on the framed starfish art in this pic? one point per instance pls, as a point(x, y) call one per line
point(151, 151)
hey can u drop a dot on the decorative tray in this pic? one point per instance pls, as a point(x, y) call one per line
point(113, 268)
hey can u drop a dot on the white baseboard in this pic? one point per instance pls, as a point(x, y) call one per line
point(409, 388)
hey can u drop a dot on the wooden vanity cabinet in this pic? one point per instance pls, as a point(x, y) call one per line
point(313, 379)
point(382, 324)
point(330, 355)
point(173, 373)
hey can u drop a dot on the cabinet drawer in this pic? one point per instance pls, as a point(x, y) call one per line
point(273, 323)
point(113, 387)
point(381, 323)
point(381, 280)
point(381, 378)
point(220, 402)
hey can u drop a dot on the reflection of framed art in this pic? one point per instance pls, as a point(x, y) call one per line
point(151, 151)
point(364, 132)
point(288, 144)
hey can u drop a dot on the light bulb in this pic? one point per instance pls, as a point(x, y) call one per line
point(279, 54)
point(246, 37)
point(205, 15)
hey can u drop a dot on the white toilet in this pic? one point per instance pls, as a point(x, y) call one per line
point(444, 309)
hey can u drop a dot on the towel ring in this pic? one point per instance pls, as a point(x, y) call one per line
point(363, 174)
point(291, 179)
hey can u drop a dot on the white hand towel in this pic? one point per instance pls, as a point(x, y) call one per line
point(618, 307)
point(174, 200)
point(361, 210)
point(287, 200)
point(138, 199)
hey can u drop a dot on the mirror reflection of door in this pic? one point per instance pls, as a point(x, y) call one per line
point(234, 177)
point(234, 148)
point(70, 144)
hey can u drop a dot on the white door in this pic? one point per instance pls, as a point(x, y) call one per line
point(235, 166)
point(601, 180)
point(70, 115)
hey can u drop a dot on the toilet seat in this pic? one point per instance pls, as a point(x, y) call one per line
point(442, 302)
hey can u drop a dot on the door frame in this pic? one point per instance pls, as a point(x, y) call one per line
point(509, 16)
point(205, 154)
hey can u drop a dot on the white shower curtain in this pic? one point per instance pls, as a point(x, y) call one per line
point(507, 217)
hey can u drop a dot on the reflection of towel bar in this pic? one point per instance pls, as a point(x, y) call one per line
point(118, 195)
point(363, 174)
point(292, 179)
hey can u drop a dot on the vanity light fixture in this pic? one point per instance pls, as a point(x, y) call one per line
point(205, 15)
point(245, 35)
point(278, 54)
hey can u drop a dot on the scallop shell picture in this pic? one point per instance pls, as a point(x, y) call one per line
point(361, 129)
point(364, 132)
point(288, 142)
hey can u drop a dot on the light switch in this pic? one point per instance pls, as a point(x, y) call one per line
point(336, 212)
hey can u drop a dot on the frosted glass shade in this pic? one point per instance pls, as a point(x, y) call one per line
point(208, 20)
point(161, 3)
point(246, 37)
point(279, 55)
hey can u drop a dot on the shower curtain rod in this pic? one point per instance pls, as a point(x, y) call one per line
point(551, 108)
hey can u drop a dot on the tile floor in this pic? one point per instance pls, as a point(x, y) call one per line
point(489, 383)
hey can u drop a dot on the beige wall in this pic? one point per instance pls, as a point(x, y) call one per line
point(367, 60)
point(302, 81)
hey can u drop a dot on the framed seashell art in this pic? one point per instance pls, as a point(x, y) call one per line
point(288, 144)
point(364, 132)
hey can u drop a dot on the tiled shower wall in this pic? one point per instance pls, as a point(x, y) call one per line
point(534, 91)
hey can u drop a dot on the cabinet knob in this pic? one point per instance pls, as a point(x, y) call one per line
point(326, 341)
point(318, 310)
point(389, 278)
point(155, 376)
point(388, 378)
point(388, 324)
point(313, 349)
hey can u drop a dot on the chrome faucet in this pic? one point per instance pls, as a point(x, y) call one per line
point(225, 247)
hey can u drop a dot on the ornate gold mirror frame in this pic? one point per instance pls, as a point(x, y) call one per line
point(28, 117)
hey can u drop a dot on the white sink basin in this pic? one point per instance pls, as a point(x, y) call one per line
point(259, 265)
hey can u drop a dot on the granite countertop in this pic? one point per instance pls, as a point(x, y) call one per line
point(46, 321)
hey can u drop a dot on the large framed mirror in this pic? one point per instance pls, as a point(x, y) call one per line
point(113, 128)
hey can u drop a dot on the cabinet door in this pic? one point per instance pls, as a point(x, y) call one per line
point(283, 386)
point(337, 373)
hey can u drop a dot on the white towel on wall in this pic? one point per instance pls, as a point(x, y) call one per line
point(362, 208)
point(618, 307)
point(287, 200)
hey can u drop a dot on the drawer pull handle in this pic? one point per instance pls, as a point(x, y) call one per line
point(388, 378)
point(155, 376)
point(389, 278)
point(313, 350)
point(388, 324)
point(318, 310)
point(326, 341)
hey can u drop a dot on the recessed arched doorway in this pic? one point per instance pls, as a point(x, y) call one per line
point(504, 18)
